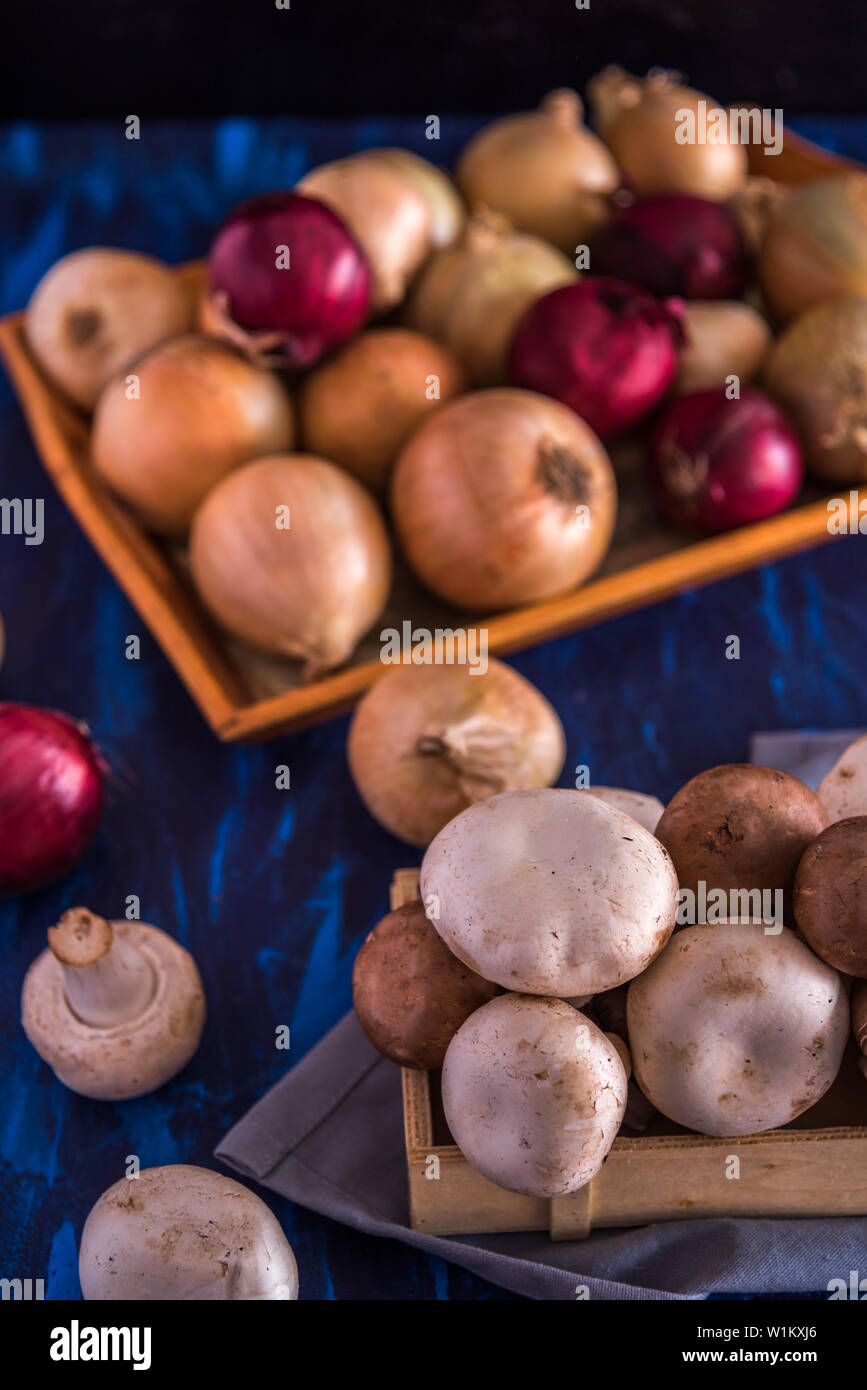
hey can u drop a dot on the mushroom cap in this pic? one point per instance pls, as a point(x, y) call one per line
point(184, 1233)
point(734, 1031)
point(127, 1059)
point(549, 891)
point(830, 895)
point(740, 826)
point(410, 993)
point(647, 810)
point(843, 792)
point(534, 1094)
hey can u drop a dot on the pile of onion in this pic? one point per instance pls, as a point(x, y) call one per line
point(51, 796)
point(197, 409)
point(428, 741)
point(606, 349)
point(501, 498)
point(815, 245)
point(291, 555)
point(288, 281)
point(717, 463)
point(360, 407)
point(722, 339)
point(99, 309)
point(639, 119)
point(817, 370)
point(544, 170)
point(386, 211)
point(675, 245)
point(471, 296)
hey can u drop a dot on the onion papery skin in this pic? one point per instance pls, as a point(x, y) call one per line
point(445, 205)
point(360, 407)
point(723, 338)
point(544, 170)
point(290, 554)
point(606, 349)
point(471, 296)
point(306, 309)
point(202, 409)
point(675, 246)
point(815, 245)
point(638, 120)
point(51, 796)
point(425, 742)
point(503, 497)
point(97, 310)
point(817, 371)
point(716, 463)
point(388, 215)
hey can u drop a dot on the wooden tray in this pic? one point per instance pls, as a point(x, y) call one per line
point(817, 1166)
point(244, 695)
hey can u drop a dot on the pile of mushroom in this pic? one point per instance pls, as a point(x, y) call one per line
point(542, 963)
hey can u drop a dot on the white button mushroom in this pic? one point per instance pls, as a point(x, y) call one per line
point(647, 810)
point(549, 891)
point(843, 792)
point(533, 1094)
point(115, 1009)
point(181, 1232)
point(735, 1031)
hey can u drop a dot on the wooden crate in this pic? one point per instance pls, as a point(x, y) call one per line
point(817, 1166)
point(244, 695)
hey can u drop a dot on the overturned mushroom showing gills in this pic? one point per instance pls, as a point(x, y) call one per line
point(534, 1094)
point(114, 1008)
point(184, 1233)
point(735, 1031)
point(859, 1021)
point(549, 891)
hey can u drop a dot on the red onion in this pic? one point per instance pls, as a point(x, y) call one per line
point(50, 796)
point(717, 463)
point(605, 348)
point(675, 246)
point(300, 310)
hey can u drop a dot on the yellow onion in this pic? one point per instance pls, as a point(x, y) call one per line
point(444, 202)
point(471, 295)
point(360, 407)
point(503, 497)
point(99, 309)
point(291, 555)
point(428, 741)
point(385, 211)
point(817, 371)
point(815, 245)
point(638, 119)
point(544, 170)
point(194, 410)
point(722, 338)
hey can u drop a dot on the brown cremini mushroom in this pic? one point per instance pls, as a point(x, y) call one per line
point(830, 895)
point(114, 1008)
point(410, 993)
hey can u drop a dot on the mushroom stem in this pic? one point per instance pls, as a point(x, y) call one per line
point(106, 981)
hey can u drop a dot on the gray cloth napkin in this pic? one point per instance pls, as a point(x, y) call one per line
point(330, 1137)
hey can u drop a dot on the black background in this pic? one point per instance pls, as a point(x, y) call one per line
point(208, 57)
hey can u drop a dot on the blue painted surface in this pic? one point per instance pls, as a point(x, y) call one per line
point(274, 891)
